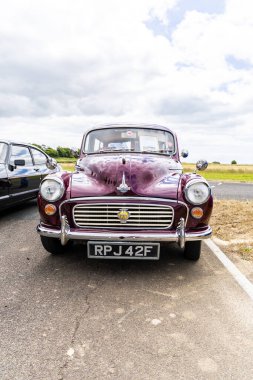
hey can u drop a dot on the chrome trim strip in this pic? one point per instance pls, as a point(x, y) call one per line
point(24, 192)
point(5, 197)
point(64, 230)
point(119, 198)
point(27, 175)
point(181, 233)
point(127, 225)
point(118, 236)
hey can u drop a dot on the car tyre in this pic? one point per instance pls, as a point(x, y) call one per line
point(192, 250)
point(53, 245)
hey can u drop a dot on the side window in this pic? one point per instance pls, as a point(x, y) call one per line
point(39, 157)
point(20, 152)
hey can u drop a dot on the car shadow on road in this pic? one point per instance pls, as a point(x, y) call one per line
point(75, 264)
point(25, 211)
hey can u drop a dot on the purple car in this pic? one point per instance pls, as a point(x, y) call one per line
point(127, 196)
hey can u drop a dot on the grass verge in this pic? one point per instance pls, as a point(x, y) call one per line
point(232, 223)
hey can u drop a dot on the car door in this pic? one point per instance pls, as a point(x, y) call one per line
point(40, 162)
point(4, 181)
point(24, 177)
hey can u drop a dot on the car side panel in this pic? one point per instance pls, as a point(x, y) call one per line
point(24, 180)
point(4, 187)
point(40, 163)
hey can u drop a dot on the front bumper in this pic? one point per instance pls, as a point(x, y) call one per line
point(179, 236)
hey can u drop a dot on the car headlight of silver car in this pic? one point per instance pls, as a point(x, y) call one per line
point(197, 192)
point(52, 189)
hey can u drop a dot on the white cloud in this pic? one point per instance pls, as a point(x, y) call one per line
point(68, 65)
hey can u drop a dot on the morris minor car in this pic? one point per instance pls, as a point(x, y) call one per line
point(22, 167)
point(127, 196)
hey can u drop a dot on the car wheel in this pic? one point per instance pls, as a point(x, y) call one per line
point(53, 245)
point(192, 250)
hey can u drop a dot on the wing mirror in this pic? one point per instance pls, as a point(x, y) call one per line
point(19, 162)
point(16, 163)
point(201, 165)
point(184, 153)
point(51, 163)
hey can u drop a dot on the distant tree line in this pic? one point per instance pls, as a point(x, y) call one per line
point(233, 162)
point(60, 151)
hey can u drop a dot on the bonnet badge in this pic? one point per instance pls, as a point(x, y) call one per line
point(123, 187)
point(123, 215)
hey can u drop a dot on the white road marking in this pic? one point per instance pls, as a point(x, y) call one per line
point(238, 276)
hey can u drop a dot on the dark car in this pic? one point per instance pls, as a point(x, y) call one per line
point(22, 167)
point(127, 196)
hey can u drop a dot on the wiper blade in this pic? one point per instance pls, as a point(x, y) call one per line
point(167, 151)
point(161, 151)
point(106, 150)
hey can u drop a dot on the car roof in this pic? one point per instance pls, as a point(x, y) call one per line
point(9, 142)
point(130, 125)
point(17, 143)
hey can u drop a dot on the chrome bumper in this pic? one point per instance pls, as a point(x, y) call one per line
point(179, 236)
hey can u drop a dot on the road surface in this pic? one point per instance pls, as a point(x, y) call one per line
point(69, 318)
point(232, 190)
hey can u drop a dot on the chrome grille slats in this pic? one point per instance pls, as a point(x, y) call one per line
point(141, 216)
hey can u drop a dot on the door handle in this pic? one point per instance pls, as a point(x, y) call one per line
point(36, 169)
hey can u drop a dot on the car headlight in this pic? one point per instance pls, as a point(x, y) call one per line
point(197, 192)
point(52, 189)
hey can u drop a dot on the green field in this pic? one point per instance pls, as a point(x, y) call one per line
point(65, 160)
point(225, 172)
point(67, 166)
point(215, 172)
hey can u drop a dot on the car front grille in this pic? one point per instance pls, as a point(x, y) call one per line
point(126, 216)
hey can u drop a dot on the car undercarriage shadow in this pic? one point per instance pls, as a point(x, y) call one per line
point(74, 263)
point(27, 210)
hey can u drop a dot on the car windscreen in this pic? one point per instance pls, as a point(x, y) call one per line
point(130, 140)
point(3, 152)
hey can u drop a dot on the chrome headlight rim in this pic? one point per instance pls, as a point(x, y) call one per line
point(62, 188)
point(193, 182)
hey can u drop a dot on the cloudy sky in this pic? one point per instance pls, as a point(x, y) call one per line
point(188, 64)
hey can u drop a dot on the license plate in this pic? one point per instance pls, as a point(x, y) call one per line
point(120, 250)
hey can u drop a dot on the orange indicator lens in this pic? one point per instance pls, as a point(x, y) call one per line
point(197, 212)
point(50, 209)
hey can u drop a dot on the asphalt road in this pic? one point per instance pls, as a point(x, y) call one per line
point(71, 318)
point(232, 190)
